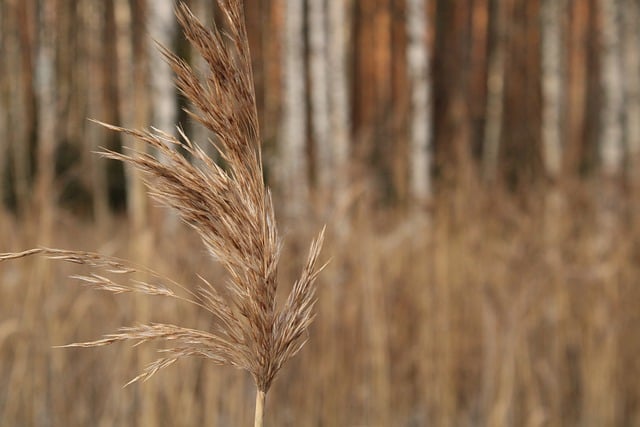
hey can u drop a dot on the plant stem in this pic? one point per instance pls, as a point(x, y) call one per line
point(260, 398)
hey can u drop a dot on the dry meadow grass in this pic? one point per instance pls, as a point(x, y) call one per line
point(479, 317)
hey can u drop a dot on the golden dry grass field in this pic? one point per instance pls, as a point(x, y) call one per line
point(497, 311)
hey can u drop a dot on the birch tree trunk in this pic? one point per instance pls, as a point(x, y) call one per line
point(318, 63)
point(495, 91)
point(329, 96)
point(47, 133)
point(339, 104)
point(162, 26)
point(47, 108)
point(553, 94)
point(631, 40)
point(611, 136)
point(162, 29)
point(553, 103)
point(94, 17)
point(293, 151)
point(420, 133)
point(600, 395)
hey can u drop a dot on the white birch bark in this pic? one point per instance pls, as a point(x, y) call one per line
point(420, 132)
point(631, 27)
point(611, 135)
point(162, 29)
point(45, 84)
point(293, 153)
point(553, 12)
point(318, 63)
point(162, 26)
point(495, 94)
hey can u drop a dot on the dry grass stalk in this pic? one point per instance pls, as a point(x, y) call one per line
point(232, 211)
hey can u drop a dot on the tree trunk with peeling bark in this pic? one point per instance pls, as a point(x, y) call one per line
point(631, 50)
point(162, 25)
point(162, 30)
point(612, 133)
point(553, 85)
point(420, 134)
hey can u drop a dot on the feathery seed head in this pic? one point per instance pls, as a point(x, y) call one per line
point(231, 210)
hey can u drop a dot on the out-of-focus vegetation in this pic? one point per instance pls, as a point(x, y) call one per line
point(504, 294)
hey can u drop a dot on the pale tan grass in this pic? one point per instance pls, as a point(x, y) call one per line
point(231, 210)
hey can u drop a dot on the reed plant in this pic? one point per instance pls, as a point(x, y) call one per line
point(230, 208)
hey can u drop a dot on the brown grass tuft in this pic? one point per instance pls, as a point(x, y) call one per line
point(231, 210)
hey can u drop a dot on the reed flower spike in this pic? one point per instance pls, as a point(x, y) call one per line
point(231, 210)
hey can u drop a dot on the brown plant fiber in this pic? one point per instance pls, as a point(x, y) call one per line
point(230, 209)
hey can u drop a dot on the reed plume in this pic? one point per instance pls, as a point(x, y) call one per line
point(231, 210)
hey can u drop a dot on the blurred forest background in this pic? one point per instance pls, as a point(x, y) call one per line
point(476, 162)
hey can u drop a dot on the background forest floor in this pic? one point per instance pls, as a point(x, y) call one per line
point(495, 309)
